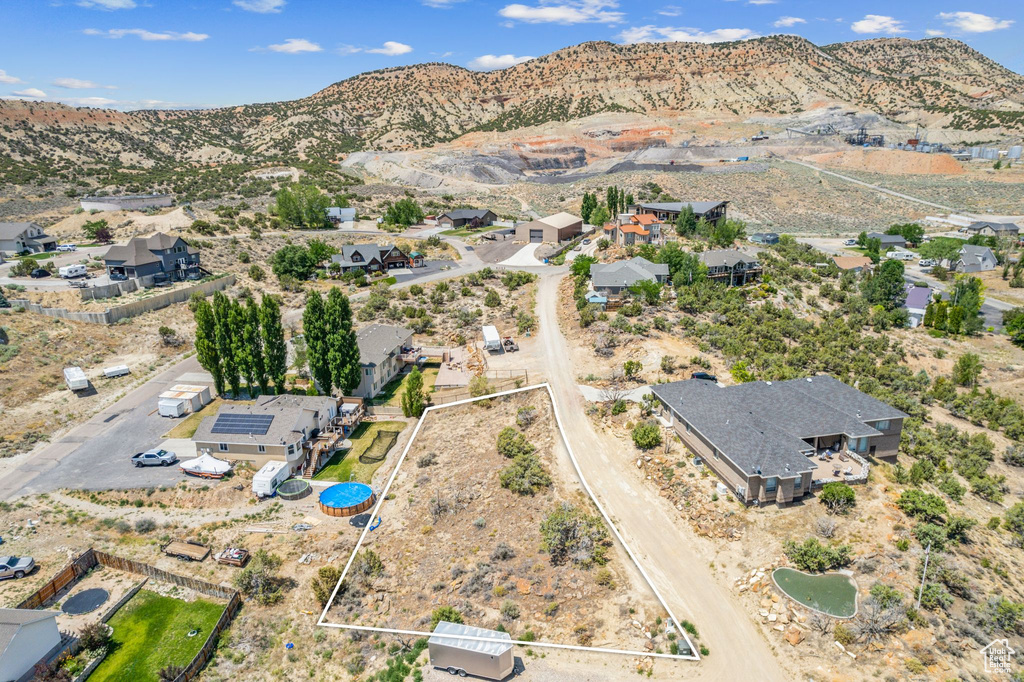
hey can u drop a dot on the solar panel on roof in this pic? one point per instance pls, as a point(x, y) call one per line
point(253, 424)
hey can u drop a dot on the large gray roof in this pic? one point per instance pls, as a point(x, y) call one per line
point(699, 207)
point(285, 409)
point(887, 238)
point(12, 230)
point(141, 250)
point(465, 213)
point(378, 341)
point(626, 272)
point(369, 252)
point(12, 620)
point(727, 257)
point(996, 227)
point(760, 426)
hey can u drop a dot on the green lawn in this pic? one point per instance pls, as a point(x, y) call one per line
point(392, 393)
point(39, 256)
point(346, 463)
point(151, 632)
point(463, 232)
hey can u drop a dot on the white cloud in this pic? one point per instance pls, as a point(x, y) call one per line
point(79, 84)
point(670, 11)
point(34, 93)
point(108, 4)
point(261, 6)
point(786, 22)
point(761, 2)
point(295, 46)
point(441, 4)
point(9, 79)
point(565, 12)
point(391, 49)
point(661, 34)
point(188, 37)
point(489, 62)
point(877, 23)
point(972, 22)
point(933, 33)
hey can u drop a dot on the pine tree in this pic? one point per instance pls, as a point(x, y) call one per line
point(243, 361)
point(929, 315)
point(343, 350)
point(254, 342)
point(314, 326)
point(275, 350)
point(413, 400)
point(225, 348)
point(206, 343)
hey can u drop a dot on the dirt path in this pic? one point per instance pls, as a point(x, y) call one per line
point(877, 188)
point(677, 561)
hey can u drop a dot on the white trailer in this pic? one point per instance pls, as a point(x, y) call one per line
point(116, 371)
point(193, 398)
point(490, 658)
point(72, 271)
point(492, 340)
point(266, 480)
point(75, 378)
point(171, 407)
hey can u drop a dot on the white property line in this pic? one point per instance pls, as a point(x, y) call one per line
point(694, 656)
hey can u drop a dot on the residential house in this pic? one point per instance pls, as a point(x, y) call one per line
point(917, 303)
point(27, 637)
point(776, 441)
point(987, 228)
point(627, 234)
point(275, 428)
point(975, 259)
point(18, 237)
point(467, 217)
point(731, 266)
point(159, 256)
point(612, 280)
point(888, 241)
point(852, 263)
point(337, 215)
point(381, 357)
point(126, 202)
point(712, 211)
point(764, 238)
point(554, 229)
point(370, 257)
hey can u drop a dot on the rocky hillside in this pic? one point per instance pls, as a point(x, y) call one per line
point(937, 82)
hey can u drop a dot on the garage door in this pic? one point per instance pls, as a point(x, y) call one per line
point(536, 235)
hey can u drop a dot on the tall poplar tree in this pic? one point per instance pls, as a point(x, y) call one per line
point(343, 351)
point(206, 343)
point(225, 349)
point(241, 354)
point(254, 343)
point(275, 350)
point(314, 326)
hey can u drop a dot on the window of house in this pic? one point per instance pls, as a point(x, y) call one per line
point(223, 447)
point(368, 372)
point(859, 444)
point(771, 484)
point(291, 449)
point(882, 425)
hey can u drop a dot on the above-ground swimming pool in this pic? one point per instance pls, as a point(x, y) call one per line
point(833, 594)
point(347, 499)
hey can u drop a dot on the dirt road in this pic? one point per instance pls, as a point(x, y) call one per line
point(675, 558)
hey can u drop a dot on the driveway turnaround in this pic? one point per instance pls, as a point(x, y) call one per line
point(523, 257)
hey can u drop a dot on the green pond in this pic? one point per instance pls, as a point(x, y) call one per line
point(831, 593)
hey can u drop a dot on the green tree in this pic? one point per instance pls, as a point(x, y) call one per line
point(646, 435)
point(97, 230)
point(253, 341)
point(599, 216)
point(942, 249)
point(404, 212)
point(1013, 521)
point(911, 232)
point(259, 579)
point(838, 497)
point(741, 372)
point(342, 345)
point(320, 251)
point(314, 328)
point(921, 505)
point(648, 290)
point(581, 266)
point(726, 232)
point(492, 300)
point(1013, 324)
point(815, 557)
point(241, 354)
point(324, 582)
point(292, 261)
point(612, 199)
point(886, 286)
point(968, 293)
point(512, 444)
point(414, 400)
point(225, 340)
point(686, 222)
point(448, 614)
point(525, 475)
point(967, 370)
point(632, 368)
point(275, 348)
point(206, 343)
point(587, 206)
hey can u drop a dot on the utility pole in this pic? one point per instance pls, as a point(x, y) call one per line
point(924, 575)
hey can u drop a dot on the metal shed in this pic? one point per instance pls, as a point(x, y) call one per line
point(491, 659)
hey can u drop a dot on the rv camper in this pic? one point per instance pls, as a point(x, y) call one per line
point(266, 480)
point(72, 271)
point(492, 341)
point(75, 378)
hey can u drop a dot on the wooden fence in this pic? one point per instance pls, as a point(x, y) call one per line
point(68, 576)
point(206, 653)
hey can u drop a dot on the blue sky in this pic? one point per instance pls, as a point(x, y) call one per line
point(168, 53)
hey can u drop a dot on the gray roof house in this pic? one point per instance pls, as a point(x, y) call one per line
point(157, 255)
point(370, 257)
point(460, 217)
point(770, 441)
point(991, 229)
point(975, 259)
point(26, 637)
point(18, 237)
point(888, 240)
point(732, 266)
point(381, 357)
point(614, 278)
point(669, 211)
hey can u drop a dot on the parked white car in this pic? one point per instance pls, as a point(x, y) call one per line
point(928, 263)
point(850, 242)
point(67, 247)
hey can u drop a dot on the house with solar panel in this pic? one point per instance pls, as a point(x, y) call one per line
point(275, 428)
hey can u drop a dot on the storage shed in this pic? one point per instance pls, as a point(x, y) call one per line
point(191, 398)
point(489, 657)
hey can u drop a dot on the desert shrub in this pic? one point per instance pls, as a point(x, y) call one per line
point(1014, 455)
point(646, 435)
point(509, 610)
point(512, 443)
point(619, 407)
point(816, 557)
point(570, 534)
point(525, 475)
point(605, 578)
point(367, 565)
point(886, 595)
point(426, 460)
point(323, 583)
point(921, 505)
point(825, 526)
point(930, 534)
point(449, 614)
point(935, 597)
point(94, 637)
point(525, 416)
point(837, 497)
point(145, 526)
point(259, 579)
